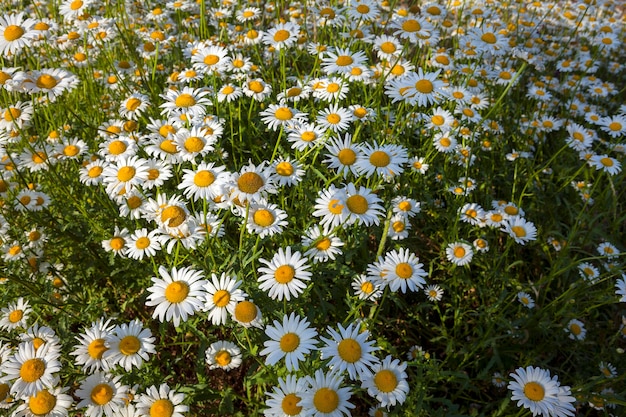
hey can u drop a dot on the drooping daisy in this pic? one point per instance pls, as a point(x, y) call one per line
point(459, 253)
point(129, 345)
point(102, 393)
point(161, 401)
point(15, 315)
point(265, 219)
point(31, 370)
point(284, 275)
point(292, 340)
point(89, 353)
point(520, 229)
point(402, 271)
point(388, 382)
point(53, 402)
point(224, 355)
point(222, 295)
point(177, 294)
point(325, 397)
point(321, 246)
point(349, 350)
point(285, 398)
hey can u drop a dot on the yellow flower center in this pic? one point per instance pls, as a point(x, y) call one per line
point(534, 391)
point(459, 252)
point(438, 120)
point(333, 118)
point(96, 349)
point(203, 178)
point(411, 25)
point(367, 287)
point(256, 86)
point(133, 104)
point(4, 391)
point(519, 231)
point(245, 311)
point(221, 298)
point(281, 35)
point(126, 174)
point(424, 86)
point(344, 60)
point(176, 292)
point(101, 394)
point(290, 405)
point(173, 216)
point(223, 358)
point(117, 147)
point(13, 32)
point(333, 87)
point(71, 150)
point(289, 342)
point(211, 59)
point(615, 126)
point(162, 408)
point(228, 90)
point(117, 243)
point(386, 380)
point(398, 226)
point(360, 112)
point(38, 342)
point(398, 70)
point(607, 162)
point(323, 244)
point(326, 400)
point(575, 329)
point(76, 4)
point(253, 34)
point(250, 182)
point(283, 113)
point(404, 270)
point(32, 369)
point(12, 114)
point(284, 274)
point(185, 100)
point(294, 92)
point(511, 210)
point(363, 9)
point(42, 403)
point(308, 136)
point(328, 13)
point(357, 204)
point(46, 81)
point(335, 206)
point(129, 345)
point(284, 169)
point(16, 315)
point(488, 37)
point(194, 144)
point(349, 350)
point(380, 159)
point(346, 156)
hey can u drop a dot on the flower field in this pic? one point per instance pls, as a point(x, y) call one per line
point(319, 208)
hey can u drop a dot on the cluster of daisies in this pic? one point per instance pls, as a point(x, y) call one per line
point(368, 100)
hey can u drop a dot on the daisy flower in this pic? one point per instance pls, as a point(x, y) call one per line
point(342, 61)
point(31, 370)
point(251, 183)
point(342, 155)
point(620, 288)
point(285, 398)
point(53, 402)
point(325, 397)
point(15, 315)
point(608, 370)
point(472, 213)
point(615, 126)
point(363, 206)
point(411, 28)
point(334, 118)
point(117, 243)
point(142, 243)
point(132, 107)
point(247, 314)
point(50, 82)
point(576, 329)
point(419, 164)
point(459, 253)
point(195, 142)
point(124, 174)
point(40, 336)
point(16, 33)
point(284, 274)
point(223, 354)
point(305, 135)
point(129, 345)
point(222, 295)
point(402, 271)
point(161, 401)
point(258, 89)
point(399, 227)
point(588, 272)
point(433, 292)
point(292, 340)
point(90, 350)
point(331, 206)
point(533, 389)
point(605, 163)
point(421, 89)
point(321, 246)
point(211, 59)
point(277, 115)
point(349, 350)
point(265, 219)
point(520, 229)
point(177, 295)
point(388, 382)
point(287, 172)
point(102, 393)
point(526, 300)
point(366, 288)
point(17, 116)
point(384, 160)
point(229, 93)
point(190, 102)
point(608, 249)
point(282, 35)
